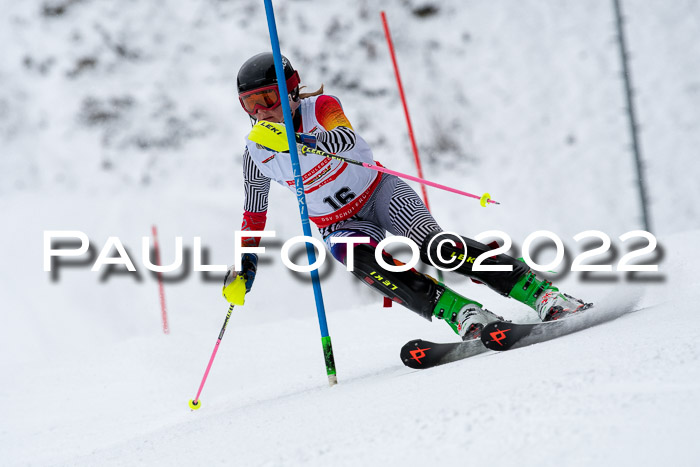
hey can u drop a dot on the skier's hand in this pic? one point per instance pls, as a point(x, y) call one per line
point(239, 283)
point(301, 149)
point(249, 265)
point(308, 142)
point(306, 139)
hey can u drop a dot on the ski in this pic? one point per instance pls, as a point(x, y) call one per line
point(504, 335)
point(420, 354)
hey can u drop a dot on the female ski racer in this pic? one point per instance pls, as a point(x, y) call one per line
point(347, 200)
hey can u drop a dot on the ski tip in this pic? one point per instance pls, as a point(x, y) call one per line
point(194, 405)
point(414, 353)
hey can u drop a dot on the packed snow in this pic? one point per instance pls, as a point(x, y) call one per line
point(118, 116)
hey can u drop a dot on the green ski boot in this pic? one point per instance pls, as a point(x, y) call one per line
point(466, 317)
point(546, 299)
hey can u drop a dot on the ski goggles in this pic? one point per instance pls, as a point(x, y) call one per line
point(267, 97)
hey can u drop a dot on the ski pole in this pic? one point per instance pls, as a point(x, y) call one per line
point(485, 198)
point(196, 403)
point(273, 136)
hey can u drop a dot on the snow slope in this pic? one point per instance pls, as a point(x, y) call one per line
point(625, 392)
point(117, 116)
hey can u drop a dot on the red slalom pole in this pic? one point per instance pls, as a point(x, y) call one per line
point(405, 107)
point(161, 290)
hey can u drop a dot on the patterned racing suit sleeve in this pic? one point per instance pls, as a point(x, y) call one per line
point(339, 135)
point(257, 188)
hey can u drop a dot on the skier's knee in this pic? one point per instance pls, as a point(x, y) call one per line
point(340, 250)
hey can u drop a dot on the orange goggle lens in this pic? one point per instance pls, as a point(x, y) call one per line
point(266, 97)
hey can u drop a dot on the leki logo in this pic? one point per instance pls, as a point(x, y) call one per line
point(499, 335)
point(418, 354)
point(271, 127)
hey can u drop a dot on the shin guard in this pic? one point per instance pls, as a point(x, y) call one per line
point(444, 254)
point(415, 291)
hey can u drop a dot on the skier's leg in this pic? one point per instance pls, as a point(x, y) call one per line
point(416, 291)
point(521, 283)
point(404, 213)
point(407, 215)
point(448, 250)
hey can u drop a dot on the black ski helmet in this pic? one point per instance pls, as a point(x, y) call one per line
point(259, 71)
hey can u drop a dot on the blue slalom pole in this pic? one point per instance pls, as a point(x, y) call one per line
point(301, 197)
